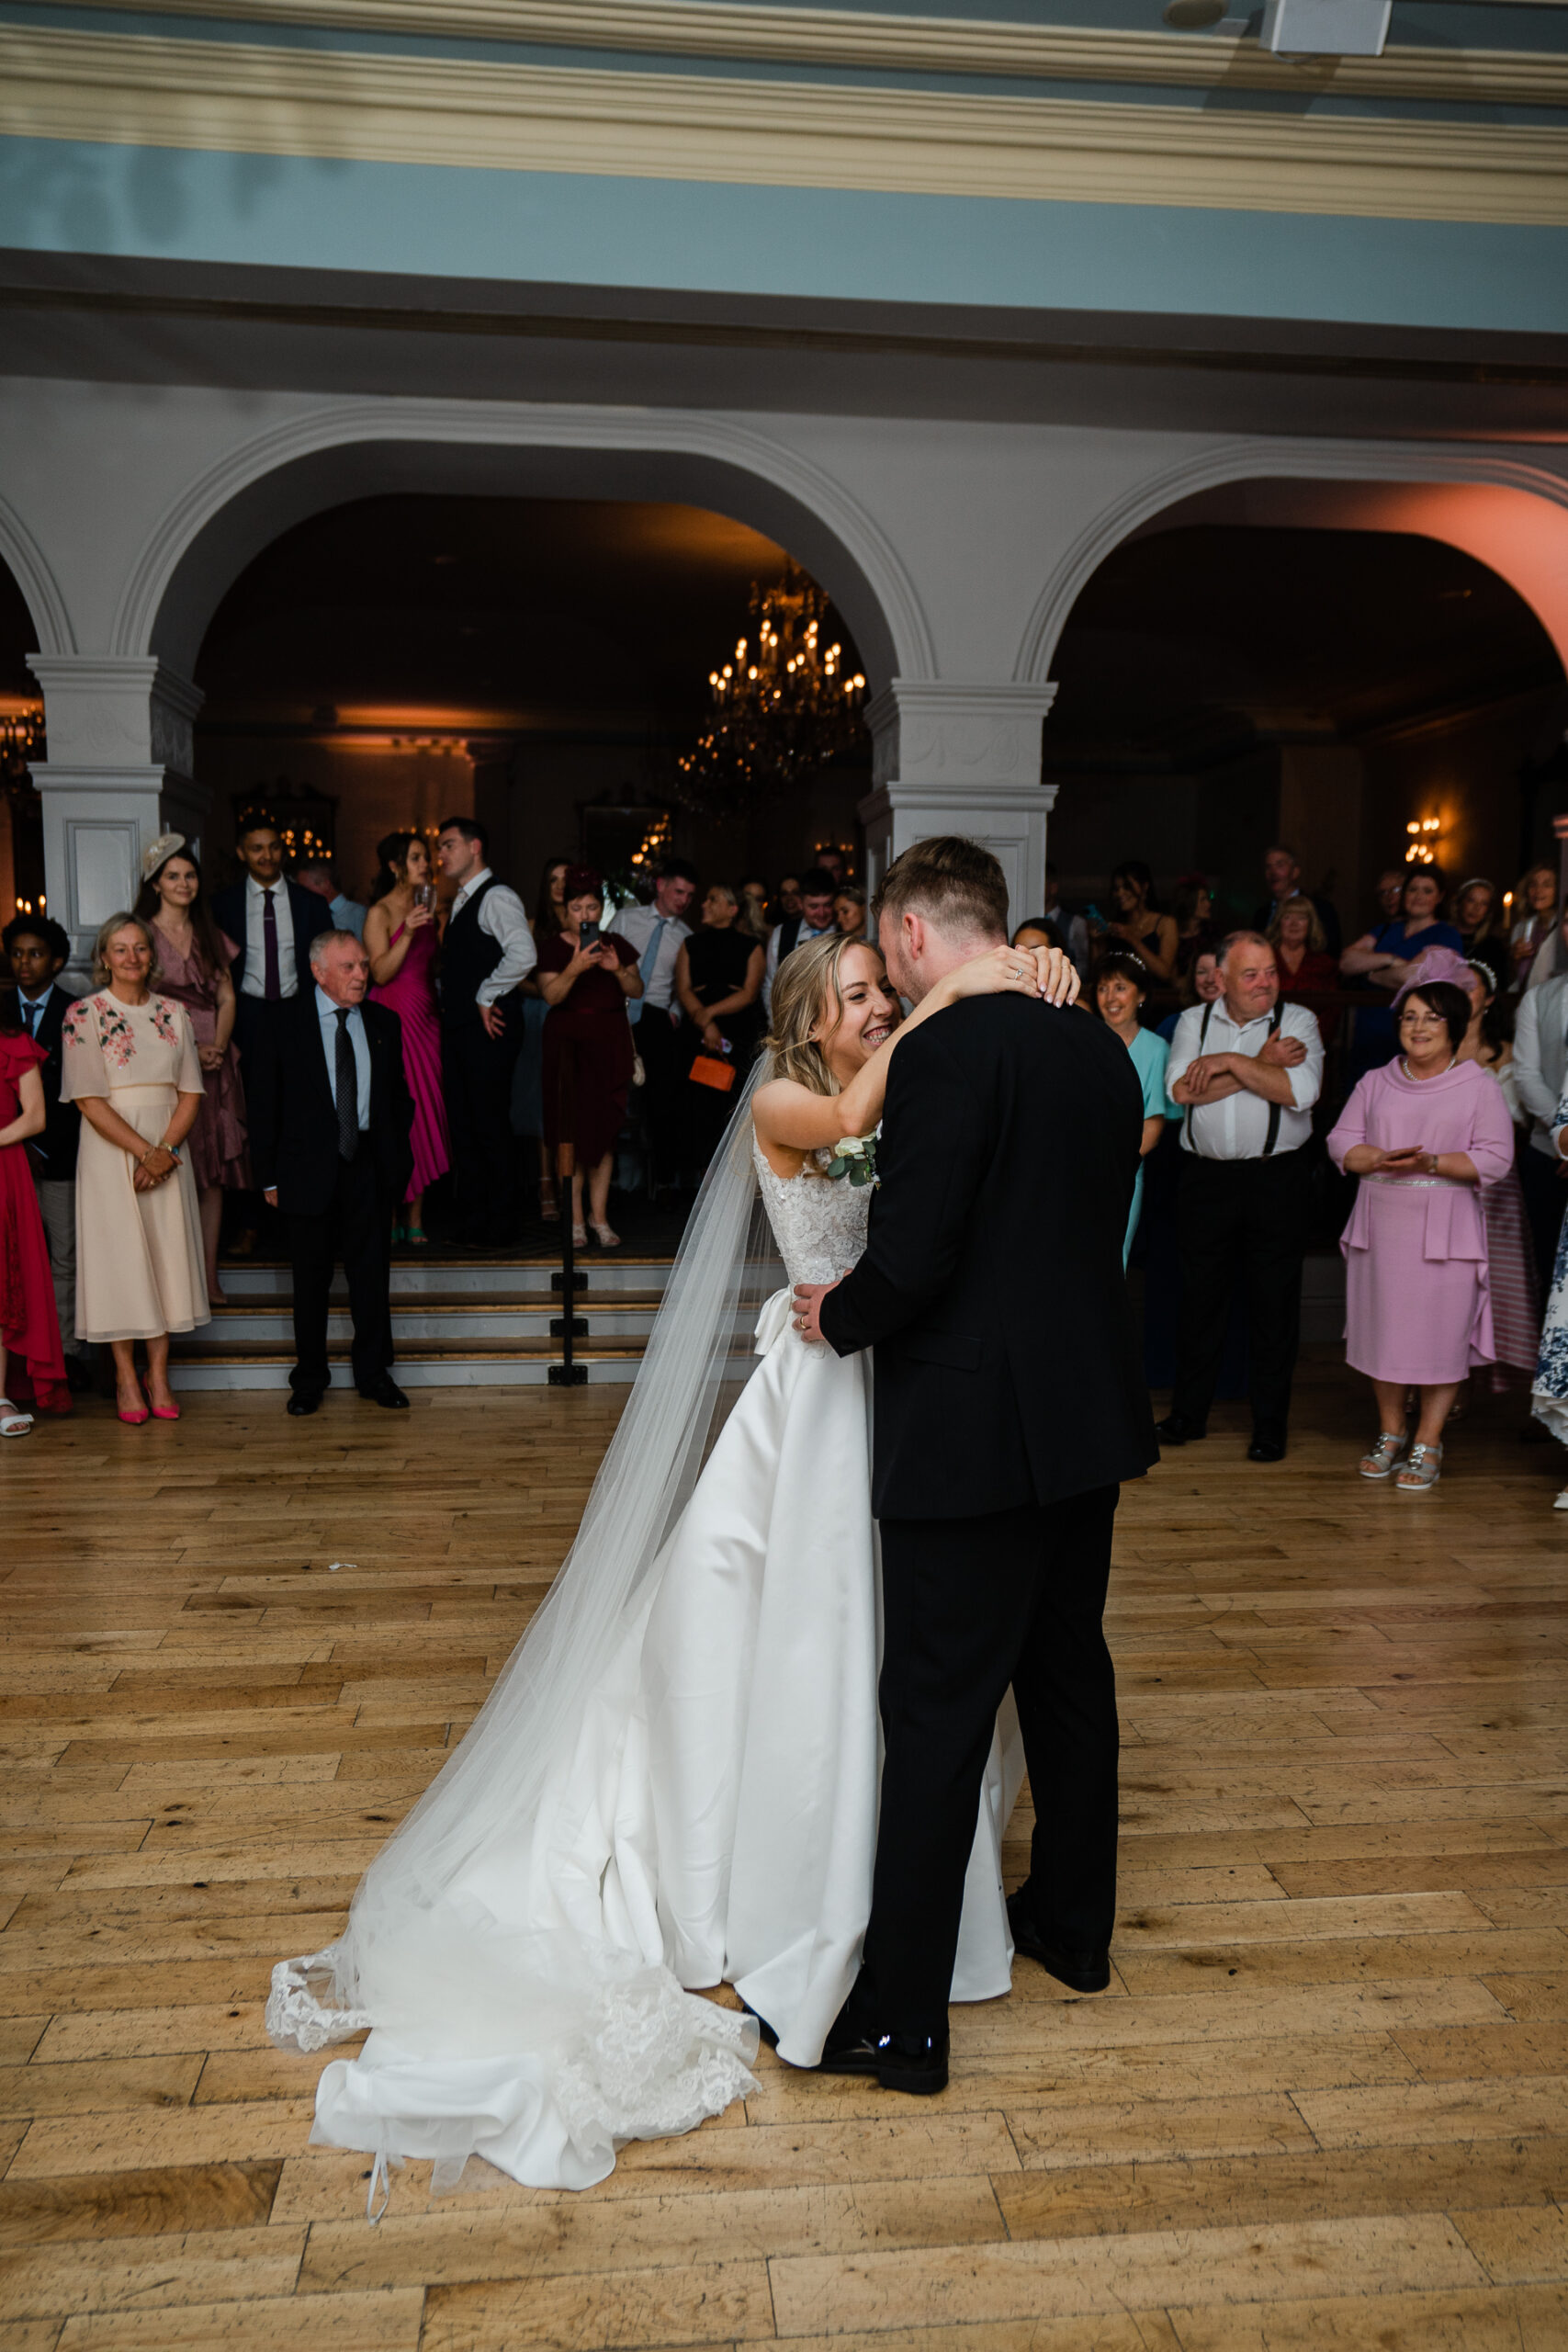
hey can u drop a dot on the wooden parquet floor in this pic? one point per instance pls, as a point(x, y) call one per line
point(1322, 2103)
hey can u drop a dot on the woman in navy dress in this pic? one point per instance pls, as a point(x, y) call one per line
point(1385, 958)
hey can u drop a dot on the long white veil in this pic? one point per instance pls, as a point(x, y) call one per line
point(416, 1958)
point(698, 1353)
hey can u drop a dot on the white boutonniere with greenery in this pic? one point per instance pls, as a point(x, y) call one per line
point(854, 1156)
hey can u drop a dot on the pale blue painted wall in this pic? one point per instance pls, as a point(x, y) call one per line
point(173, 204)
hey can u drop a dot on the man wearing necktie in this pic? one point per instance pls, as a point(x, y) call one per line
point(654, 934)
point(270, 922)
point(330, 1112)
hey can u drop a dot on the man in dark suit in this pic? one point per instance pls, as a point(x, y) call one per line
point(331, 1112)
point(1010, 1144)
point(37, 950)
point(1282, 878)
point(273, 922)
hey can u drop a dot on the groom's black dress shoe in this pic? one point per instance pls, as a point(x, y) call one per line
point(1085, 1972)
point(900, 2061)
point(1176, 1430)
point(1268, 1445)
point(384, 1391)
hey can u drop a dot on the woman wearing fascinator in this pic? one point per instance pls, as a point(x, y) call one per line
point(1429, 1134)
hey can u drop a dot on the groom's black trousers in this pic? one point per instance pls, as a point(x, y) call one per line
point(969, 1606)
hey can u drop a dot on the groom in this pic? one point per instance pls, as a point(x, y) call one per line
point(1010, 1142)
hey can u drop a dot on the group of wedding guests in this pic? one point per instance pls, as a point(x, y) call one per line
point(1456, 1126)
point(671, 998)
point(129, 1114)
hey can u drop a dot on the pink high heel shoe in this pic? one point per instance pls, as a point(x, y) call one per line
point(159, 1412)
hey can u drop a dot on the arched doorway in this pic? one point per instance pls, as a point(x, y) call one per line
point(1227, 679)
point(23, 882)
point(537, 661)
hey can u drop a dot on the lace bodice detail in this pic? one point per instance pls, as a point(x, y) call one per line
point(818, 1225)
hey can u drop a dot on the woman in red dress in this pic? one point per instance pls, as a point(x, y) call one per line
point(29, 1327)
point(586, 986)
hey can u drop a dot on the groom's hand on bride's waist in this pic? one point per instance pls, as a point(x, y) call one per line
point(807, 1309)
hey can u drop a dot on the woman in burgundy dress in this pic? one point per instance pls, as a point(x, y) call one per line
point(586, 985)
point(29, 1327)
point(400, 934)
point(193, 957)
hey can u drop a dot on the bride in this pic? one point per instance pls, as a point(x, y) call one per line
point(674, 1781)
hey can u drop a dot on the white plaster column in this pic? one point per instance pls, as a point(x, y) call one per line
point(118, 775)
point(955, 758)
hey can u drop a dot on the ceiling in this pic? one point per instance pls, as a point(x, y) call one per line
point(1190, 646)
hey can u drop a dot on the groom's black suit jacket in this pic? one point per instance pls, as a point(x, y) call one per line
point(992, 1286)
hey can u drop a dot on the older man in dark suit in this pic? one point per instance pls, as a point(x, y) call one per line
point(330, 1119)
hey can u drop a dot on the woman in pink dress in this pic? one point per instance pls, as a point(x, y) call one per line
point(401, 935)
point(1424, 1133)
point(193, 957)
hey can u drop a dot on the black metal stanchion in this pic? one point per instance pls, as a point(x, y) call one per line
point(568, 1325)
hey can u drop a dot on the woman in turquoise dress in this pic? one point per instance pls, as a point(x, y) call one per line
point(1120, 983)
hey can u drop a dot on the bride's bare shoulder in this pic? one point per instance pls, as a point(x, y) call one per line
point(776, 1110)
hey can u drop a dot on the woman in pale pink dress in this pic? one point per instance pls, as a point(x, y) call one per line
point(401, 935)
point(193, 956)
point(1424, 1133)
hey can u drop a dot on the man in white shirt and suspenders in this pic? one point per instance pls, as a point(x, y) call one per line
point(1247, 1070)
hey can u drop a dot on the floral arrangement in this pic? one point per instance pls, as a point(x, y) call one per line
point(854, 1156)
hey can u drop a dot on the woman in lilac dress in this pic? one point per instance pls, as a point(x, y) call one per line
point(193, 956)
point(401, 935)
point(1424, 1133)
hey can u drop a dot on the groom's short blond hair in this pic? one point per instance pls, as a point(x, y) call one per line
point(951, 882)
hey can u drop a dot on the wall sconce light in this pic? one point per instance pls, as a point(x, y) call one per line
point(1424, 833)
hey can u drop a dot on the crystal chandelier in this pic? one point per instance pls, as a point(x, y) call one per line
point(784, 704)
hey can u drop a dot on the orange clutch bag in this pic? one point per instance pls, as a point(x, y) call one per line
point(711, 1069)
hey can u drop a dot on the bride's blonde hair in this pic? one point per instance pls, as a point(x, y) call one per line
point(806, 991)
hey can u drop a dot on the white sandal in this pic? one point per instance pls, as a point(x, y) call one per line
point(13, 1422)
point(1422, 1471)
point(1380, 1463)
point(607, 1238)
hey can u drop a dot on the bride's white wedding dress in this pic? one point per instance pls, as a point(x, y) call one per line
point(708, 1817)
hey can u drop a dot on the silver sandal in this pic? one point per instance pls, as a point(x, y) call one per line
point(1380, 1462)
point(1423, 1470)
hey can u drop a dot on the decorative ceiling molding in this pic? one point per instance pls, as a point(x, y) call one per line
point(922, 45)
point(146, 90)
